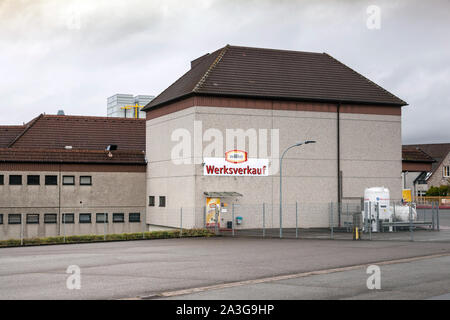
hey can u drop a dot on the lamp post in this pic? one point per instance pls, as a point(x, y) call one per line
point(281, 177)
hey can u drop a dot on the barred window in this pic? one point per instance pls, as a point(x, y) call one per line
point(134, 217)
point(50, 218)
point(32, 218)
point(100, 217)
point(14, 218)
point(68, 180)
point(51, 180)
point(68, 218)
point(15, 180)
point(33, 180)
point(118, 217)
point(85, 218)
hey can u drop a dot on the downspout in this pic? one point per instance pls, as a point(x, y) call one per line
point(339, 177)
point(59, 201)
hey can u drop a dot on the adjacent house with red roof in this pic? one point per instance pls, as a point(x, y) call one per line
point(58, 174)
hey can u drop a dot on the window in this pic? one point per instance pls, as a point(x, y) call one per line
point(50, 218)
point(32, 218)
point(51, 180)
point(100, 217)
point(68, 218)
point(14, 218)
point(85, 181)
point(33, 180)
point(118, 217)
point(151, 201)
point(15, 180)
point(2, 181)
point(135, 217)
point(446, 171)
point(162, 201)
point(68, 180)
point(85, 218)
point(1, 218)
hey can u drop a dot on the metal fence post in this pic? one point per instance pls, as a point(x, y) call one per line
point(331, 219)
point(181, 221)
point(264, 219)
point(104, 226)
point(21, 228)
point(64, 227)
point(232, 219)
point(296, 219)
point(433, 224)
point(437, 215)
point(370, 220)
point(410, 222)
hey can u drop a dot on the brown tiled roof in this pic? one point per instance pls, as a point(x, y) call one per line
point(414, 154)
point(275, 74)
point(71, 156)
point(82, 132)
point(437, 151)
point(8, 134)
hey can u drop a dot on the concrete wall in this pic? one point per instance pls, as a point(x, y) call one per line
point(110, 192)
point(370, 156)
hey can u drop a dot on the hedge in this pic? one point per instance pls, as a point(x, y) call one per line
point(188, 233)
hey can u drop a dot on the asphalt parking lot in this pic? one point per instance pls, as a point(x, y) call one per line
point(133, 269)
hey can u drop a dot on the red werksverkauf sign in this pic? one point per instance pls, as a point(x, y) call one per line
point(236, 163)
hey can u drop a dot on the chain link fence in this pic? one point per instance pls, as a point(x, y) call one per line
point(340, 221)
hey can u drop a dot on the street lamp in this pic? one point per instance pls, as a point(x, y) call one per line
point(281, 175)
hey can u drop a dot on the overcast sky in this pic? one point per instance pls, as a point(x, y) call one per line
point(73, 54)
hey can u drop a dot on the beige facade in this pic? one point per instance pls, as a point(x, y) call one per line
point(370, 155)
point(110, 192)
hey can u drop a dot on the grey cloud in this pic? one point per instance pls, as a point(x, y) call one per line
point(141, 47)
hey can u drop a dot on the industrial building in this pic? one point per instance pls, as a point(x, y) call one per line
point(127, 105)
point(62, 175)
point(211, 139)
point(262, 101)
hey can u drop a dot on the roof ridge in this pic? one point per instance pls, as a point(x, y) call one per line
point(27, 127)
point(91, 117)
point(365, 78)
point(211, 67)
point(274, 49)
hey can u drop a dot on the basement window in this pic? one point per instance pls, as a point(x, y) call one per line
point(118, 217)
point(15, 180)
point(68, 218)
point(85, 218)
point(14, 218)
point(32, 218)
point(85, 181)
point(51, 180)
point(68, 180)
point(33, 180)
point(134, 217)
point(100, 217)
point(50, 218)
